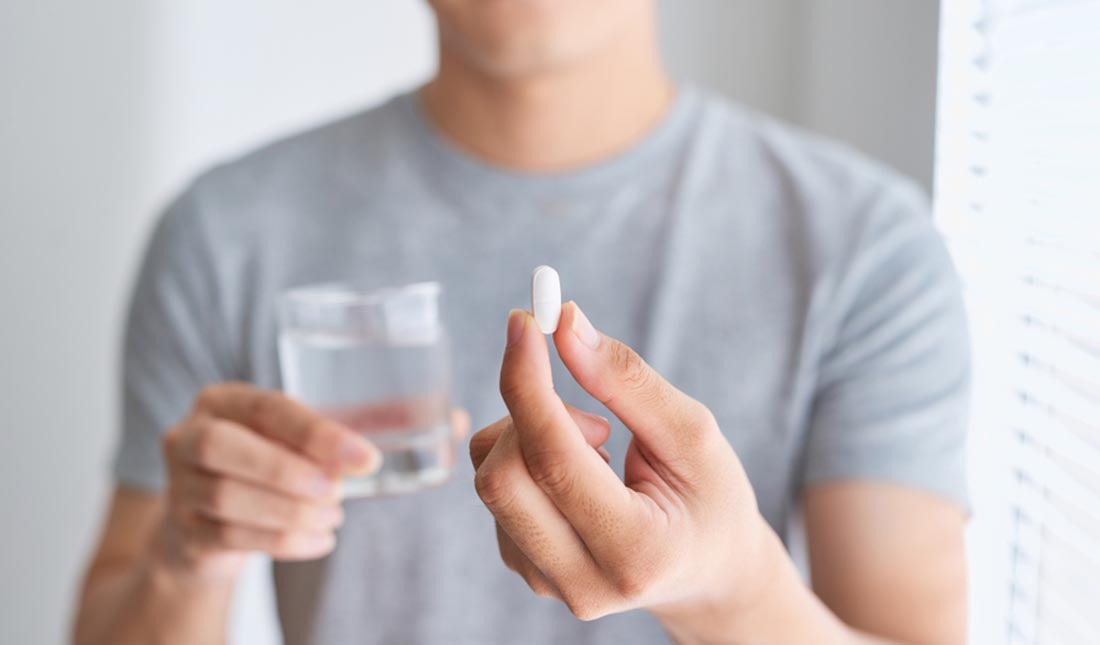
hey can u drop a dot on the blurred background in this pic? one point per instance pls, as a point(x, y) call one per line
point(108, 108)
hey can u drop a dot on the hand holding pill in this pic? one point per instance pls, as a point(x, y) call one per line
point(680, 531)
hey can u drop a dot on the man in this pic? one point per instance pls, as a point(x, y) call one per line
point(795, 294)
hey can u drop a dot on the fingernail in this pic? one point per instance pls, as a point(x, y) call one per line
point(332, 516)
point(516, 320)
point(583, 330)
point(318, 541)
point(353, 453)
point(324, 487)
point(596, 418)
point(359, 458)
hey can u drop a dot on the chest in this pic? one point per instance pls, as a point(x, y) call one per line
point(695, 298)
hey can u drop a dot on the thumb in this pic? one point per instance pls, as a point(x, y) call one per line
point(668, 422)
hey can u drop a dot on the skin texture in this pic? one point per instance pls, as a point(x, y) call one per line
point(536, 86)
point(879, 552)
point(520, 40)
point(249, 470)
point(563, 91)
point(603, 545)
point(680, 534)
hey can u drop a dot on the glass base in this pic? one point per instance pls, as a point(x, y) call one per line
point(411, 461)
point(395, 483)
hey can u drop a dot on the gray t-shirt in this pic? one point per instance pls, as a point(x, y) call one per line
point(797, 289)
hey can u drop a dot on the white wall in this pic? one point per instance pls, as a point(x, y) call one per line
point(72, 186)
point(863, 71)
point(107, 107)
point(866, 73)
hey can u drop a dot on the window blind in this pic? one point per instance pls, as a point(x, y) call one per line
point(1018, 197)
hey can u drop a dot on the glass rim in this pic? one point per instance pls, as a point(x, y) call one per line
point(337, 294)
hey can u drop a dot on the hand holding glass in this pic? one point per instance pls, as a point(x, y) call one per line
point(377, 362)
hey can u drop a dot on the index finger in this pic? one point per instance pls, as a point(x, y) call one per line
point(333, 446)
point(672, 425)
point(558, 458)
point(595, 429)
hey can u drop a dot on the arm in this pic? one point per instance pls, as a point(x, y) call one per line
point(241, 470)
point(248, 470)
point(129, 596)
point(681, 535)
point(886, 561)
point(889, 560)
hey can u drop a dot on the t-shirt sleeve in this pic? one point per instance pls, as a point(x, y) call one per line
point(892, 390)
point(174, 341)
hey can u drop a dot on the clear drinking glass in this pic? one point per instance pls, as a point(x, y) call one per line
point(377, 362)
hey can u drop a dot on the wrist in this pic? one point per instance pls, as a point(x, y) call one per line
point(766, 602)
point(734, 594)
point(172, 564)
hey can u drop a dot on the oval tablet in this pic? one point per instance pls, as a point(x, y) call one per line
point(546, 298)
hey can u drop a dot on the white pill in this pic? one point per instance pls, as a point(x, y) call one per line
point(546, 298)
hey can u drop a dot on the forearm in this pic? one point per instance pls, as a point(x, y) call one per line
point(785, 611)
point(145, 602)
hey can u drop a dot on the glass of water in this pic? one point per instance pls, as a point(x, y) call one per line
point(377, 362)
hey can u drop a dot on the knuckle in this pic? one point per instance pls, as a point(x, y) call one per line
point(584, 609)
point(298, 514)
point(631, 584)
point(477, 447)
point(225, 534)
point(544, 591)
point(516, 390)
point(550, 470)
point(480, 445)
point(169, 443)
point(205, 444)
point(508, 560)
point(281, 473)
point(510, 388)
point(282, 542)
point(180, 516)
point(703, 416)
point(701, 427)
point(193, 547)
point(218, 495)
point(494, 489)
point(540, 585)
point(267, 404)
point(635, 574)
point(483, 441)
point(632, 370)
point(316, 432)
point(207, 397)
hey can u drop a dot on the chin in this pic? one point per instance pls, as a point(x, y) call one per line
point(516, 37)
point(512, 56)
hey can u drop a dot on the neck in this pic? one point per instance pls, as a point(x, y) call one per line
point(557, 119)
